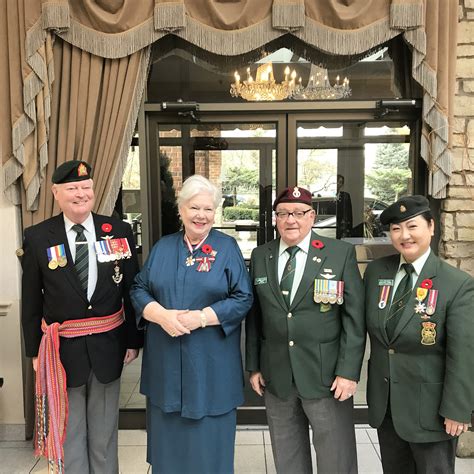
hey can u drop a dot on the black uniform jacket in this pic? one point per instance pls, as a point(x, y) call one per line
point(57, 296)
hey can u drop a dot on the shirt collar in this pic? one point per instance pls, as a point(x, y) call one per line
point(303, 245)
point(88, 224)
point(418, 263)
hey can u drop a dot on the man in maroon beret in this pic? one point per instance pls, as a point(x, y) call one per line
point(306, 339)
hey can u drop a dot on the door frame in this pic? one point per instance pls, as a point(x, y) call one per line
point(285, 115)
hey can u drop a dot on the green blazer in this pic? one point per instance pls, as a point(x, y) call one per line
point(426, 382)
point(309, 343)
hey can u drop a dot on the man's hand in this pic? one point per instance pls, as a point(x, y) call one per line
point(257, 382)
point(34, 361)
point(454, 428)
point(130, 355)
point(343, 388)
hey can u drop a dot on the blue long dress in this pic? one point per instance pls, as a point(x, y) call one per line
point(193, 383)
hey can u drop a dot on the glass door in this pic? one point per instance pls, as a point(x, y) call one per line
point(354, 170)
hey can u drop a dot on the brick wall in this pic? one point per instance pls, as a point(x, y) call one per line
point(457, 217)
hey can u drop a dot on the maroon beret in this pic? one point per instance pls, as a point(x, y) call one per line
point(293, 194)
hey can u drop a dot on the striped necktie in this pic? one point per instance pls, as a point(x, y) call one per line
point(286, 282)
point(400, 299)
point(81, 263)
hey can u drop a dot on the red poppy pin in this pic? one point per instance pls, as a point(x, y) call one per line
point(317, 244)
point(207, 249)
point(106, 227)
point(428, 284)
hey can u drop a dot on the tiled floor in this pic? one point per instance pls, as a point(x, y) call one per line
point(252, 454)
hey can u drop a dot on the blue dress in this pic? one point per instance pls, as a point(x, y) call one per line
point(197, 379)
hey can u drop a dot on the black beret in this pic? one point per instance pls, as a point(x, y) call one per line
point(404, 209)
point(71, 171)
point(293, 194)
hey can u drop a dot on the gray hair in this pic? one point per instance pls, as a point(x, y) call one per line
point(197, 184)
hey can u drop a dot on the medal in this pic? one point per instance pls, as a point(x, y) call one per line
point(190, 258)
point(117, 276)
point(384, 294)
point(428, 333)
point(420, 308)
point(110, 249)
point(204, 263)
point(56, 256)
point(431, 304)
point(421, 293)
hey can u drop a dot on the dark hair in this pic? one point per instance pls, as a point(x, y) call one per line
point(428, 216)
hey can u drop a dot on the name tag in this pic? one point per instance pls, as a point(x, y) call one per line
point(260, 281)
point(385, 282)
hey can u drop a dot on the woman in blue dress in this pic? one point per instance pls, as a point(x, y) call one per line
point(192, 295)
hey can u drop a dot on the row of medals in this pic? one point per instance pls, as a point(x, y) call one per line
point(60, 262)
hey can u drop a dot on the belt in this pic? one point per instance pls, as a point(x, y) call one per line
point(51, 404)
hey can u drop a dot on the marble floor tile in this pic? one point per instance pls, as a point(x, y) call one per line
point(132, 438)
point(361, 436)
point(16, 460)
point(249, 459)
point(132, 460)
point(249, 437)
point(368, 459)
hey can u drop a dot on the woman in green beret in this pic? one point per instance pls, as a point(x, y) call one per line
point(419, 317)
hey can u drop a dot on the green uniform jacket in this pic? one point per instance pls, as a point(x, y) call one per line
point(306, 342)
point(427, 382)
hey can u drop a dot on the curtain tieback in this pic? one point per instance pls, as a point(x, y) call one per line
point(51, 402)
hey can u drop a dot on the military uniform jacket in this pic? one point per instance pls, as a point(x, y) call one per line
point(305, 342)
point(57, 296)
point(426, 382)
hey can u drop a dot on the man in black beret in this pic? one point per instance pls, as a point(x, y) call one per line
point(306, 339)
point(419, 318)
point(78, 324)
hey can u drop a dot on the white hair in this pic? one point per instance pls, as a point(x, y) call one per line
point(197, 184)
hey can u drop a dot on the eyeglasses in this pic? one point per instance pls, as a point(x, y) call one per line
point(296, 214)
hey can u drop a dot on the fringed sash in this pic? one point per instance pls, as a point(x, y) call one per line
point(51, 395)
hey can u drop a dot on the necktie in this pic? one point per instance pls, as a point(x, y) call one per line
point(286, 283)
point(400, 299)
point(82, 256)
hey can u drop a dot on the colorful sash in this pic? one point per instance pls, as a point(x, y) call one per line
point(51, 395)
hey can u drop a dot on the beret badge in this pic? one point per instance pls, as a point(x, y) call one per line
point(81, 170)
point(403, 208)
point(296, 192)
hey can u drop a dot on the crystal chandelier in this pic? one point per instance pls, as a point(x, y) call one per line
point(264, 87)
point(319, 87)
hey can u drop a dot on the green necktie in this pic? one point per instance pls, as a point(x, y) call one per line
point(81, 262)
point(400, 300)
point(286, 283)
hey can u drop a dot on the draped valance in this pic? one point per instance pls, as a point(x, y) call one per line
point(118, 29)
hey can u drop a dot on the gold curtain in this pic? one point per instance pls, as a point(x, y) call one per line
point(110, 39)
point(93, 112)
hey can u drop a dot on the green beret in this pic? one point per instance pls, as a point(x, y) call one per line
point(71, 171)
point(404, 209)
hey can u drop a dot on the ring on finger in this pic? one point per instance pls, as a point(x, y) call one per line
point(173, 334)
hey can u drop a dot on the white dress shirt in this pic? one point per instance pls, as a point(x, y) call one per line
point(301, 256)
point(418, 265)
point(89, 232)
